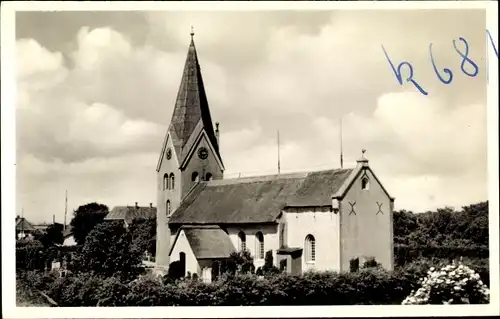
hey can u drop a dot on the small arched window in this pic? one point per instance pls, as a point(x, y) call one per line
point(165, 181)
point(168, 208)
point(172, 181)
point(259, 250)
point(365, 183)
point(310, 248)
point(242, 241)
point(208, 177)
point(195, 177)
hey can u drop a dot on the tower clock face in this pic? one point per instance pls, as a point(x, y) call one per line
point(202, 153)
point(169, 153)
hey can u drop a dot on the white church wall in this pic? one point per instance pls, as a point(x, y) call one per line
point(323, 224)
point(182, 245)
point(270, 240)
point(367, 232)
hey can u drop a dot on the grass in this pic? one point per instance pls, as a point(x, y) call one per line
point(25, 297)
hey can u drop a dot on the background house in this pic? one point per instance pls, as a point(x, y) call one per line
point(128, 213)
point(69, 239)
point(23, 227)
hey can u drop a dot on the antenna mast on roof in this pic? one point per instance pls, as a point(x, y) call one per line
point(341, 151)
point(278, 152)
point(65, 209)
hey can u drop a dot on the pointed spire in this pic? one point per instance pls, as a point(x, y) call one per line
point(191, 106)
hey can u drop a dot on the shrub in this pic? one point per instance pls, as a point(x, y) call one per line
point(370, 263)
point(371, 286)
point(269, 269)
point(175, 270)
point(452, 284)
point(354, 264)
point(30, 255)
point(145, 291)
point(404, 253)
point(112, 293)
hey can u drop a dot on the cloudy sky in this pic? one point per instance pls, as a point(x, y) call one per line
point(96, 92)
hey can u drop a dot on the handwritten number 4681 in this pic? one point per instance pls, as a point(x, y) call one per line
point(471, 70)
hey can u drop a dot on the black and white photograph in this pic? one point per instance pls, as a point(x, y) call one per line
point(253, 156)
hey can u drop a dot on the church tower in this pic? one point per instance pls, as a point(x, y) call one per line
point(189, 154)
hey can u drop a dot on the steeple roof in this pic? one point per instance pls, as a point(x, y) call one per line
point(191, 107)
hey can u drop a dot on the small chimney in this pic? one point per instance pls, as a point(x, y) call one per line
point(53, 219)
point(150, 205)
point(136, 204)
point(363, 162)
point(217, 132)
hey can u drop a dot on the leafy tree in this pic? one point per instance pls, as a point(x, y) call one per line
point(143, 233)
point(467, 227)
point(107, 252)
point(53, 235)
point(85, 218)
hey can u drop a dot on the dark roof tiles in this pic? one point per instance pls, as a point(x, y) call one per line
point(209, 242)
point(257, 199)
point(191, 107)
point(23, 225)
point(129, 213)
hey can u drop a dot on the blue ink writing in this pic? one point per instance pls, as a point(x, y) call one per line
point(445, 70)
point(447, 77)
point(465, 58)
point(492, 43)
point(397, 73)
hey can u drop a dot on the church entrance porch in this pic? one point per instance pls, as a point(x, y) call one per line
point(293, 259)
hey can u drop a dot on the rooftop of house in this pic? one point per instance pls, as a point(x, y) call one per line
point(129, 213)
point(207, 242)
point(23, 225)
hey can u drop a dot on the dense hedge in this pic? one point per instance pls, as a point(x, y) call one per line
point(408, 253)
point(365, 287)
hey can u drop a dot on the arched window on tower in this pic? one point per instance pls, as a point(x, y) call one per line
point(242, 238)
point(365, 183)
point(195, 177)
point(165, 181)
point(310, 249)
point(208, 177)
point(169, 209)
point(259, 249)
point(172, 181)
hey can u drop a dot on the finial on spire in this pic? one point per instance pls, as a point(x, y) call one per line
point(363, 153)
point(192, 32)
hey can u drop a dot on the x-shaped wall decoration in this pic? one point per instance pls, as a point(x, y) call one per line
point(379, 209)
point(352, 207)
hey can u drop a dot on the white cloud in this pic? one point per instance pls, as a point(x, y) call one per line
point(108, 128)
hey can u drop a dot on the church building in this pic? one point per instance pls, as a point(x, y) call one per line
point(319, 220)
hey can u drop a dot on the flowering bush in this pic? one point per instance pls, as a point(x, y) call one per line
point(452, 284)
